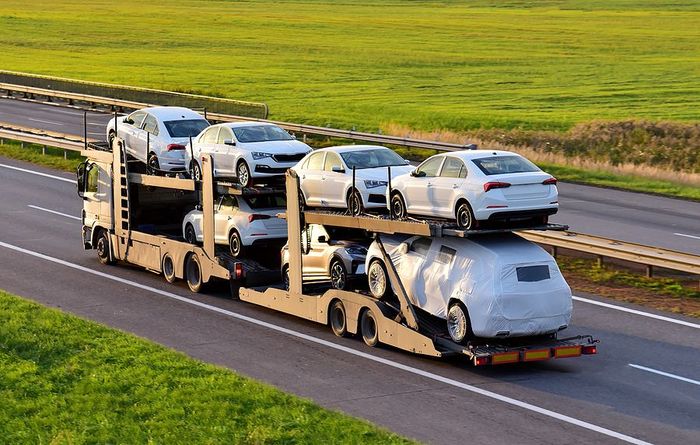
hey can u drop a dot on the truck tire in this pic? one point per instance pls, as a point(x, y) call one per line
point(369, 328)
point(104, 253)
point(337, 319)
point(193, 273)
point(168, 266)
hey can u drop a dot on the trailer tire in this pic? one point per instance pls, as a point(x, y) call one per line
point(168, 266)
point(377, 279)
point(369, 328)
point(337, 318)
point(458, 324)
point(193, 273)
point(104, 253)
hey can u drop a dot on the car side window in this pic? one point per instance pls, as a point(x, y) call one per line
point(453, 168)
point(137, 117)
point(316, 161)
point(431, 166)
point(446, 255)
point(228, 202)
point(224, 134)
point(421, 246)
point(151, 125)
point(332, 160)
point(209, 137)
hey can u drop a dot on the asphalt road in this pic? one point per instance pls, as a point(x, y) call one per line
point(436, 401)
point(633, 217)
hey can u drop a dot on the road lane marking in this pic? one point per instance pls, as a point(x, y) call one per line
point(326, 343)
point(636, 312)
point(54, 212)
point(687, 236)
point(44, 122)
point(665, 374)
point(46, 175)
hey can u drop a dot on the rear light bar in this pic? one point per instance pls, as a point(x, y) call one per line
point(495, 185)
point(505, 357)
point(589, 349)
point(536, 354)
point(257, 216)
point(171, 147)
point(550, 181)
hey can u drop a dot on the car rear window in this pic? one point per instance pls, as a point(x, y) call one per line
point(500, 165)
point(185, 128)
point(531, 274)
point(266, 201)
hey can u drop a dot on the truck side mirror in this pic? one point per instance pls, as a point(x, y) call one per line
point(81, 174)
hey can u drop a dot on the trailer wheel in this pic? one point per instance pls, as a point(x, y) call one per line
point(102, 247)
point(168, 268)
point(377, 279)
point(193, 273)
point(369, 329)
point(458, 324)
point(337, 319)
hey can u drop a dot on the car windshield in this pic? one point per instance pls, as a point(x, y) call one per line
point(380, 157)
point(261, 133)
point(185, 128)
point(499, 165)
point(266, 201)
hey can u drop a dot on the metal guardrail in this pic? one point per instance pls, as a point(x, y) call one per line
point(634, 253)
point(32, 92)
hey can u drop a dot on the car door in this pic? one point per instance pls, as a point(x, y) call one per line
point(310, 179)
point(127, 131)
point(314, 261)
point(225, 154)
point(148, 140)
point(448, 185)
point(138, 140)
point(411, 271)
point(206, 144)
point(334, 179)
point(419, 193)
point(227, 211)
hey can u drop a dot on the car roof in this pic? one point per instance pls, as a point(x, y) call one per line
point(172, 113)
point(349, 148)
point(246, 124)
point(476, 154)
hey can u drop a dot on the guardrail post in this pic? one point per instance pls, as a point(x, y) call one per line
point(65, 154)
point(555, 251)
point(600, 261)
point(85, 129)
point(650, 271)
point(43, 149)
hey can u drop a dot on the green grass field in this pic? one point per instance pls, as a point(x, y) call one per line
point(425, 64)
point(65, 380)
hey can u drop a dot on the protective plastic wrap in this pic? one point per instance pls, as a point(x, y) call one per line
point(510, 286)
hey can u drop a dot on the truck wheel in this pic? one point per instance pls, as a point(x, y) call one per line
point(339, 276)
point(102, 247)
point(458, 324)
point(168, 268)
point(193, 273)
point(377, 279)
point(369, 329)
point(337, 319)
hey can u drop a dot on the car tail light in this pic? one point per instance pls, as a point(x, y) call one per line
point(495, 185)
point(257, 216)
point(550, 181)
point(589, 349)
point(171, 147)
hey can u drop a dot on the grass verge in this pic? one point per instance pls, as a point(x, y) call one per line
point(65, 380)
point(53, 158)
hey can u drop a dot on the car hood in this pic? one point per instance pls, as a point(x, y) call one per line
point(276, 147)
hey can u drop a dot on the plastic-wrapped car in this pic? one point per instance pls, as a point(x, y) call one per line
point(489, 286)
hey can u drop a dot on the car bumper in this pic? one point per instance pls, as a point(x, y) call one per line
point(503, 213)
point(501, 327)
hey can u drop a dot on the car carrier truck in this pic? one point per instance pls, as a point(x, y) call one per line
point(136, 218)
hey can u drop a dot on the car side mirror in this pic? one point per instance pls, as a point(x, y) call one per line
point(417, 174)
point(322, 239)
point(230, 142)
point(198, 207)
point(338, 169)
point(294, 136)
point(406, 161)
point(402, 249)
point(129, 121)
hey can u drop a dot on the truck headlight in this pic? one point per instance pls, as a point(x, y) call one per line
point(371, 183)
point(260, 155)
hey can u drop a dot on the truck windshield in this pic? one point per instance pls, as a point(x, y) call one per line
point(185, 128)
point(374, 158)
point(500, 165)
point(261, 133)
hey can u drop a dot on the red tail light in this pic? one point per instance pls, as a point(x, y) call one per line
point(550, 181)
point(495, 185)
point(257, 216)
point(238, 268)
point(589, 349)
point(175, 147)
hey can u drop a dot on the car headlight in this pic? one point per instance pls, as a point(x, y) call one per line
point(371, 183)
point(260, 155)
point(356, 251)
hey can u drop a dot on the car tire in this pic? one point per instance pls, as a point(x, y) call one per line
point(235, 243)
point(464, 216)
point(377, 279)
point(398, 206)
point(104, 253)
point(190, 234)
point(354, 202)
point(168, 266)
point(337, 318)
point(153, 166)
point(196, 171)
point(369, 329)
point(243, 174)
point(458, 323)
point(193, 273)
point(338, 274)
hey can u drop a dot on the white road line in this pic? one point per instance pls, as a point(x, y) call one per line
point(12, 167)
point(54, 212)
point(390, 363)
point(44, 122)
point(636, 312)
point(665, 374)
point(687, 236)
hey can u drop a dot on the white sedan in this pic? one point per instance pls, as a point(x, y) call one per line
point(487, 287)
point(326, 176)
point(157, 136)
point(246, 150)
point(241, 221)
point(475, 186)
